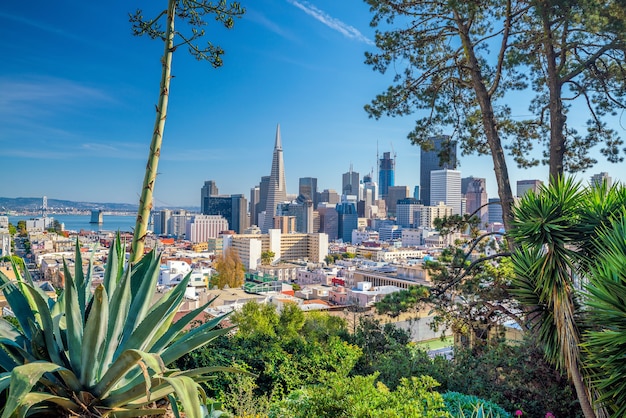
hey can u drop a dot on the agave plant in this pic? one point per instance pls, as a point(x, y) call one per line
point(100, 353)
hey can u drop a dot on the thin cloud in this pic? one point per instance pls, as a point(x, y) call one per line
point(333, 23)
point(46, 94)
point(262, 20)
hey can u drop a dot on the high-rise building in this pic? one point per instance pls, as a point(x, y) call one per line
point(307, 186)
point(348, 219)
point(330, 196)
point(525, 186)
point(386, 173)
point(445, 186)
point(495, 211)
point(209, 189)
point(350, 183)
point(395, 193)
point(416, 192)
point(277, 189)
point(476, 197)
point(255, 196)
point(264, 186)
point(409, 212)
point(301, 210)
point(440, 155)
point(232, 208)
point(597, 179)
point(328, 219)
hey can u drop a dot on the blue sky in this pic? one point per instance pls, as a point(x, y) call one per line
point(77, 96)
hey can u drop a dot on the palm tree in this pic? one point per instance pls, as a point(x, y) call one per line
point(546, 262)
point(572, 240)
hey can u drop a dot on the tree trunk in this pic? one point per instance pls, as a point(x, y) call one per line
point(146, 199)
point(491, 128)
point(555, 106)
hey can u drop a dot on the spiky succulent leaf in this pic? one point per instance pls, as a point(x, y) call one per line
point(605, 346)
point(23, 378)
point(46, 325)
point(19, 304)
point(187, 393)
point(73, 324)
point(94, 339)
point(122, 365)
point(115, 266)
point(143, 282)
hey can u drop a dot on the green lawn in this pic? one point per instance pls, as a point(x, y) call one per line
point(436, 343)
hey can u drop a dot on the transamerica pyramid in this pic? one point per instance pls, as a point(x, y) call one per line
point(277, 191)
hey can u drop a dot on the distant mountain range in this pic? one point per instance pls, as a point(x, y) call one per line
point(33, 204)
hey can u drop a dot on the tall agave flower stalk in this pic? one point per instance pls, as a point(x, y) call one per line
point(192, 12)
point(104, 353)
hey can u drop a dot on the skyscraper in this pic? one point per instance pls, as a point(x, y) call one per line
point(441, 155)
point(445, 186)
point(386, 172)
point(348, 219)
point(350, 183)
point(307, 186)
point(209, 189)
point(395, 193)
point(277, 190)
point(476, 195)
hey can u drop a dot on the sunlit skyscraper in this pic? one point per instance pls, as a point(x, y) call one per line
point(277, 189)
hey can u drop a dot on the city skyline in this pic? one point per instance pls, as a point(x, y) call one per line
point(78, 99)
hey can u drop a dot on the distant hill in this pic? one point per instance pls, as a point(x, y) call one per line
point(32, 204)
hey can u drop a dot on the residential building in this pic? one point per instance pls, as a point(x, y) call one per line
point(203, 227)
point(440, 154)
point(600, 178)
point(430, 213)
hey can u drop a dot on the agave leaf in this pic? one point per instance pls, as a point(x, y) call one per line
point(175, 329)
point(122, 365)
point(114, 266)
point(143, 283)
point(23, 378)
point(47, 326)
point(74, 325)
point(5, 380)
point(22, 310)
point(118, 312)
point(94, 339)
point(138, 412)
point(79, 280)
point(186, 345)
point(34, 398)
point(156, 319)
point(136, 395)
point(187, 393)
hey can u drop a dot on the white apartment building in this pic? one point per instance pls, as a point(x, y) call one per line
point(203, 227)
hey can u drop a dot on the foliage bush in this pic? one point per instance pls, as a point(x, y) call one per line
point(466, 406)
